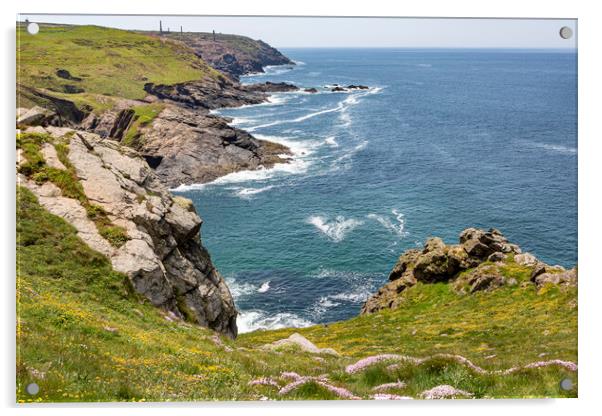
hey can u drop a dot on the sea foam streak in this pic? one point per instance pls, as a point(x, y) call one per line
point(248, 321)
point(396, 228)
point(351, 100)
point(337, 229)
point(247, 193)
point(556, 148)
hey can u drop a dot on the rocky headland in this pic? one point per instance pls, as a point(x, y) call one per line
point(233, 55)
point(482, 261)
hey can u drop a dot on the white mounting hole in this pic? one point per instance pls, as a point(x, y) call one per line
point(33, 28)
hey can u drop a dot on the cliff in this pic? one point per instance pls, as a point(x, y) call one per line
point(233, 55)
point(120, 208)
point(152, 94)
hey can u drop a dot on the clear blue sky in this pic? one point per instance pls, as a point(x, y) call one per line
point(353, 32)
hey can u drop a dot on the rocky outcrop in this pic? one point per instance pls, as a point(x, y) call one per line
point(482, 261)
point(162, 254)
point(187, 146)
point(197, 147)
point(231, 54)
point(212, 94)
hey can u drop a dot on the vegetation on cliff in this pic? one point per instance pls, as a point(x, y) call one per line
point(88, 62)
point(83, 335)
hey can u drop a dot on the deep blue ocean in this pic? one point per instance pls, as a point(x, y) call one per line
point(443, 140)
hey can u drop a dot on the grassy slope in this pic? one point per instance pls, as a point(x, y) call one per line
point(83, 336)
point(109, 62)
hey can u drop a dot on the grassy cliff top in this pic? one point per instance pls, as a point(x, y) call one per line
point(99, 60)
point(83, 335)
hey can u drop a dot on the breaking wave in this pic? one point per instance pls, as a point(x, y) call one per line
point(253, 320)
point(335, 229)
point(397, 227)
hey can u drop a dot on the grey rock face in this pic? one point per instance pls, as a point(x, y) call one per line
point(163, 257)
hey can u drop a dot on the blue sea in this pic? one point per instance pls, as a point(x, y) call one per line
point(441, 141)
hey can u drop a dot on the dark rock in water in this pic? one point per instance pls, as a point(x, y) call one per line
point(311, 90)
point(476, 264)
point(338, 89)
point(357, 87)
point(271, 87)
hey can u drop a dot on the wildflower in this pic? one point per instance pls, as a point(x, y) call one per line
point(320, 380)
point(444, 391)
point(381, 396)
point(263, 381)
point(368, 361)
point(387, 386)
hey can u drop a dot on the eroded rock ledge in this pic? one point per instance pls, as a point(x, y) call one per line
point(162, 256)
point(483, 260)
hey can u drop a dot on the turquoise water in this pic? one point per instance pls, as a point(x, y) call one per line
point(443, 140)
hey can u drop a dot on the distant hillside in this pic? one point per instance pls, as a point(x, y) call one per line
point(232, 54)
point(98, 60)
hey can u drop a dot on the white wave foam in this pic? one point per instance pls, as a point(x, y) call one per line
point(247, 193)
point(358, 296)
point(342, 106)
point(322, 305)
point(238, 289)
point(331, 141)
point(424, 65)
point(265, 286)
point(396, 228)
point(557, 148)
point(248, 321)
point(336, 229)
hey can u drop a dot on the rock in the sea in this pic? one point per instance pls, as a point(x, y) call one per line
point(163, 256)
point(338, 89)
point(311, 90)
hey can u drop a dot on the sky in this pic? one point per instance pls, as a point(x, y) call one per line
point(283, 32)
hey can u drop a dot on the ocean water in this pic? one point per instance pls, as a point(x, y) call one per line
point(443, 140)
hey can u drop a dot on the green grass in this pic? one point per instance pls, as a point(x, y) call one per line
point(102, 62)
point(83, 335)
point(66, 180)
point(143, 116)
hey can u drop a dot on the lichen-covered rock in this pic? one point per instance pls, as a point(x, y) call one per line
point(478, 263)
point(562, 278)
point(163, 256)
point(406, 260)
